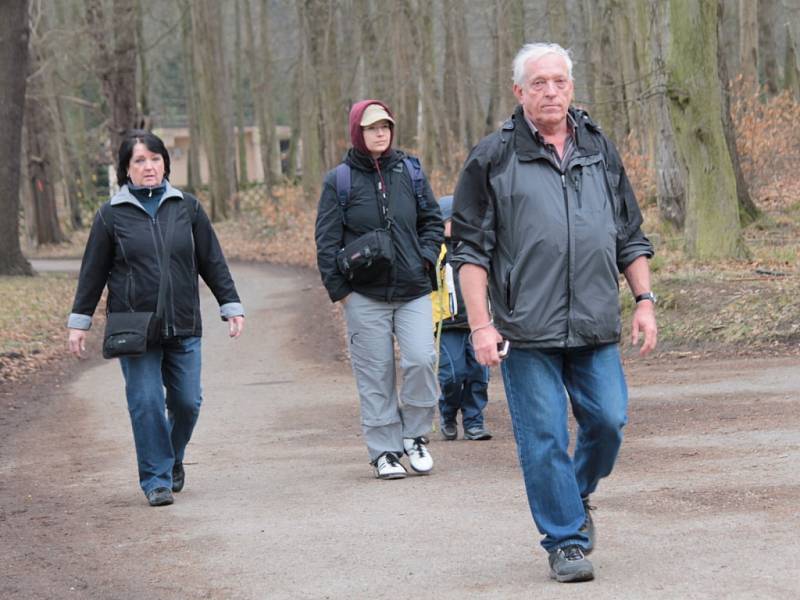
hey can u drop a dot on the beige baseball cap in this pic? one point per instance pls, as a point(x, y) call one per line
point(374, 113)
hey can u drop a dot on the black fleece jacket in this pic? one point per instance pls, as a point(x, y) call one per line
point(123, 252)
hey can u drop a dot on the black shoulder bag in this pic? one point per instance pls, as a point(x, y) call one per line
point(130, 333)
point(371, 255)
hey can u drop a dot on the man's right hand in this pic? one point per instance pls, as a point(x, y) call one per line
point(77, 342)
point(484, 342)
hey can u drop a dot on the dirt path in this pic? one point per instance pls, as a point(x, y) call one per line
point(280, 502)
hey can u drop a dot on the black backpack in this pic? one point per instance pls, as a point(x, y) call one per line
point(412, 166)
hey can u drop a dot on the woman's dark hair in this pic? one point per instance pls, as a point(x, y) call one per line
point(135, 136)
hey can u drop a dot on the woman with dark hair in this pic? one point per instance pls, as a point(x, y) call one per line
point(123, 252)
point(377, 204)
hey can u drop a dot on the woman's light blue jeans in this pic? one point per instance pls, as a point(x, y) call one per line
point(163, 424)
point(538, 384)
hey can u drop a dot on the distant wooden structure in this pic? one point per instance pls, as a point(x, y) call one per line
point(177, 141)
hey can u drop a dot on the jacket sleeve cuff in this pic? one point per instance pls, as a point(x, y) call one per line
point(340, 292)
point(79, 321)
point(231, 309)
point(466, 254)
point(431, 256)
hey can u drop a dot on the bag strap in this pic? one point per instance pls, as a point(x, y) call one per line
point(414, 169)
point(165, 257)
point(343, 189)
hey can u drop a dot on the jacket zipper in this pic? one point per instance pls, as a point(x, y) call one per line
point(569, 257)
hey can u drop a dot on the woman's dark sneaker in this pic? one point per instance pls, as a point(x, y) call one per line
point(178, 477)
point(160, 496)
point(388, 466)
point(477, 433)
point(569, 564)
point(449, 431)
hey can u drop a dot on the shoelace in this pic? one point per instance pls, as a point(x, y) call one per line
point(391, 460)
point(572, 553)
point(419, 446)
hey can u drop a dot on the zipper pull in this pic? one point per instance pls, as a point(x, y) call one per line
point(150, 195)
point(563, 181)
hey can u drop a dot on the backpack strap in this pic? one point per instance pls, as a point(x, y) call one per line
point(343, 189)
point(417, 179)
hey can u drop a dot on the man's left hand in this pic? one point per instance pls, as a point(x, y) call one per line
point(644, 321)
point(235, 326)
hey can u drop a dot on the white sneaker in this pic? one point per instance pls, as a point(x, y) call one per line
point(418, 455)
point(388, 466)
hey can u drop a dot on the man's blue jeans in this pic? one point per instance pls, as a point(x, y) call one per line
point(161, 438)
point(462, 379)
point(538, 384)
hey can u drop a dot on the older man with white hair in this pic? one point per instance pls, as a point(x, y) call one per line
point(547, 220)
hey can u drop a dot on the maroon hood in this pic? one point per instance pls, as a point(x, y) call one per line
point(356, 134)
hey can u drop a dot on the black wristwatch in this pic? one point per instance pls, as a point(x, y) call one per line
point(646, 296)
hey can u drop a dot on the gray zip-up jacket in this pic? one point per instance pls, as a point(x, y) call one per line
point(553, 243)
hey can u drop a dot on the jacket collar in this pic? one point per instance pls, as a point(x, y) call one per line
point(528, 146)
point(124, 196)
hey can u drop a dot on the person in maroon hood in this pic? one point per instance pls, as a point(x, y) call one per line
point(384, 299)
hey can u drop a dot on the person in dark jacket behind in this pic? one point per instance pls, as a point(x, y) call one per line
point(123, 253)
point(463, 381)
point(386, 303)
point(546, 218)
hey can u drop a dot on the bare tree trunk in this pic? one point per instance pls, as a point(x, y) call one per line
point(557, 21)
point(238, 83)
point(767, 44)
point(144, 121)
point(321, 110)
point(193, 176)
point(748, 40)
point(791, 73)
point(216, 118)
point(260, 66)
point(432, 128)
point(748, 212)
point(40, 130)
point(13, 70)
point(671, 173)
point(712, 227)
point(115, 66)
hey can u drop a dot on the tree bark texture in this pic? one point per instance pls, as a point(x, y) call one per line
point(671, 173)
point(748, 212)
point(14, 34)
point(712, 228)
point(791, 73)
point(115, 64)
point(748, 40)
point(42, 134)
point(193, 176)
point(767, 45)
point(216, 112)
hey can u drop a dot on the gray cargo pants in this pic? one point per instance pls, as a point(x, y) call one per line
point(385, 420)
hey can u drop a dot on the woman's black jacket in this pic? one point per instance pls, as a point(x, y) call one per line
point(123, 252)
point(417, 229)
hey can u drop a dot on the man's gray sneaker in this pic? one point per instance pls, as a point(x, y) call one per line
point(449, 431)
point(588, 525)
point(477, 433)
point(568, 564)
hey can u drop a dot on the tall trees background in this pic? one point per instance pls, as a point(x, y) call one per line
point(654, 74)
